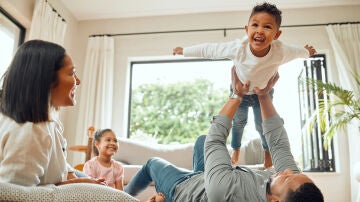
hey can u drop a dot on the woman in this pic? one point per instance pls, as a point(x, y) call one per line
point(40, 79)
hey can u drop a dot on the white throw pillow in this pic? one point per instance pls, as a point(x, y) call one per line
point(90, 192)
point(70, 192)
point(13, 192)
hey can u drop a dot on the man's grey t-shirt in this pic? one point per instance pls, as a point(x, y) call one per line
point(223, 182)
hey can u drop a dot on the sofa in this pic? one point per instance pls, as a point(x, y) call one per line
point(133, 154)
point(70, 192)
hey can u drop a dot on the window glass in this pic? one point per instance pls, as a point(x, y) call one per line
point(286, 97)
point(11, 35)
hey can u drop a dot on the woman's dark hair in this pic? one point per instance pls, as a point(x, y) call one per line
point(26, 86)
point(97, 136)
point(270, 9)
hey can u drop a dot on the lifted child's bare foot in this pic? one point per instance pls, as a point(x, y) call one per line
point(268, 161)
point(235, 156)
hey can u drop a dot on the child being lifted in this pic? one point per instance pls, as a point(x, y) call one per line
point(256, 58)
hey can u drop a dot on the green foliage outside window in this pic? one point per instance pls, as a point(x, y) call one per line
point(176, 112)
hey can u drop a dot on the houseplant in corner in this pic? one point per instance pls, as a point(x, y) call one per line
point(336, 113)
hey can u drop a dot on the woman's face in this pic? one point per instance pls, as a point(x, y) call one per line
point(63, 91)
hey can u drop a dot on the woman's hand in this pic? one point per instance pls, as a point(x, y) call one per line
point(100, 181)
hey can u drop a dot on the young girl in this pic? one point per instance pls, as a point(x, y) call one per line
point(102, 165)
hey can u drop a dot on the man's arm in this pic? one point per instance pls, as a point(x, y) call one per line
point(219, 173)
point(274, 131)
point(266, 105)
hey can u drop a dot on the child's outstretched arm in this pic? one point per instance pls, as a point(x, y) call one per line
point(311, 50)
point(178, 51)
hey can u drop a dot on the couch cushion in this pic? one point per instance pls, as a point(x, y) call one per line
point(130, 171)
point(12, 192)
point(137, 153)
point(69, 192)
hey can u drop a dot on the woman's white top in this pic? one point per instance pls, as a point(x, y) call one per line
point(32, 153)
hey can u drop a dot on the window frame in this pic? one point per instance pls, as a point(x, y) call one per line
point(315, 157)
point(22, 29)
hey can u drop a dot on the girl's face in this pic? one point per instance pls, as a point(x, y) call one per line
point(63, 90)
point(261, 30)
point(108, 144)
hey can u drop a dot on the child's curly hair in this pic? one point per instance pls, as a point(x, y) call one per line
point(271, 9)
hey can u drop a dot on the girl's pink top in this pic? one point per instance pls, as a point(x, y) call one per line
point(94, 169)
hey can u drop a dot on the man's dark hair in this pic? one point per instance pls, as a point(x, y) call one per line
point(308, 192)
point(271, 9)
point(27, 82)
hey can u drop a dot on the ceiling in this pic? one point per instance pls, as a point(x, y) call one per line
point(108, 9)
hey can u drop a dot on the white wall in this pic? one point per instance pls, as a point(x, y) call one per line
point(335, 186)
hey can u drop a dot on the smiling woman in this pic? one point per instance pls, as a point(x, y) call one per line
point(39, 80)
point(63, 89)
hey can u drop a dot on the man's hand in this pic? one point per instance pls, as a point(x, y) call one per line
point(271, 83)
point(311, 50)
point(178, 51)
point(239, 88)
point(266, 105)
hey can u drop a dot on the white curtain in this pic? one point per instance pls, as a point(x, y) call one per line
point(97, 81)
point(47, 24)
point(345, 41)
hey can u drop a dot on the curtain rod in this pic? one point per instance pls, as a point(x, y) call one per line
point(216, 29)
point(54, 10)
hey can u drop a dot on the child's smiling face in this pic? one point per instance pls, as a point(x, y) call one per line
point(108, 144)
point(261, 30)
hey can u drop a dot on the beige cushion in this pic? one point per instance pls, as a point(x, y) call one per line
point(137, 153)
point(130, 171)
point(70, 192)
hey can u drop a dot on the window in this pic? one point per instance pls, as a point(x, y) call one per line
point(12, 35)
point(315, 156)
point(173, 101)
point(161, 74)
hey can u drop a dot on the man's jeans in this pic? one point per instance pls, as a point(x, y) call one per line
point(166, 175)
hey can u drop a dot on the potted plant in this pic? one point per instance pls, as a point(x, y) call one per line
point(333, 114)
